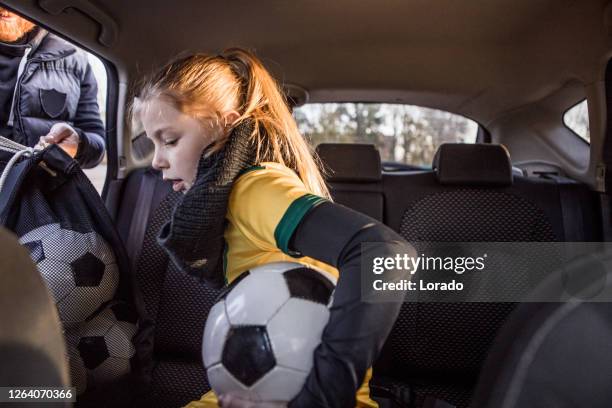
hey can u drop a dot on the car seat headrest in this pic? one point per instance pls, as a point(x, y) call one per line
point(349, 162)
point(473, 164)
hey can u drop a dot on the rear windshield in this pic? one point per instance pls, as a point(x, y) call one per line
point(404, 134)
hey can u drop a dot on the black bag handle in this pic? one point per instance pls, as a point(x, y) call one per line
point(10, 190)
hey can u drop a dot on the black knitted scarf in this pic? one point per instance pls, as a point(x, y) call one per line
point(193, 238)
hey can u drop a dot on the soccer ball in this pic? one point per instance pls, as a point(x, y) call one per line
point(260, 336)
point(79, 269)
point(78, 372)
point(100, 350)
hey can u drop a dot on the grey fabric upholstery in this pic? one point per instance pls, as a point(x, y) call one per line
point(178, 305)
point(441, 346)
point(438, 349)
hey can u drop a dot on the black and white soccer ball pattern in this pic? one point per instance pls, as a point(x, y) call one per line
point(260, 336)
point(101, 350)
point(79, 268)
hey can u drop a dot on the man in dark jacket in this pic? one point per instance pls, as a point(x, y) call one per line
point(47, 90)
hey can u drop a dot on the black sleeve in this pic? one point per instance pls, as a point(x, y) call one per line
point(359, 322)
point(88, 124)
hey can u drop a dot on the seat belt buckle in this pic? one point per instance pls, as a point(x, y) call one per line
point(387, 395)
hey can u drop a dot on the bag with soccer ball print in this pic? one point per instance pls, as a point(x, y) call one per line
point(46, 200)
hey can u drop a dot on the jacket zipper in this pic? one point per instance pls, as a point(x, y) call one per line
point(18, 99)
point(18, 96)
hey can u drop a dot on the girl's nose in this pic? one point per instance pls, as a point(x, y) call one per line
point(159, 163)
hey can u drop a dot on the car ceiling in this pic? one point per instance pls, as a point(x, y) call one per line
point(480, 58)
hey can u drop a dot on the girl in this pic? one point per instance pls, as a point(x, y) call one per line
point(253, 194)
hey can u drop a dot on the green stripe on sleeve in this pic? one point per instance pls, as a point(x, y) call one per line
point(291, 219)
point(250, 169)
point(225, 250)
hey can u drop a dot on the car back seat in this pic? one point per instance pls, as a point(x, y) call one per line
point(435, 350)
point(176, 303)
point(428, 339)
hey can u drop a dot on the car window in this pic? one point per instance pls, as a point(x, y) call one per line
point(97, 175)
point(577, 119)
point(404, 134)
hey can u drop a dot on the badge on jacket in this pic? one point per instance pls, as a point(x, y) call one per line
point(53, 102)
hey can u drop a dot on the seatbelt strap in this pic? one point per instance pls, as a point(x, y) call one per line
point(571, 209)
point(22, 64)
point(606, 216)
point(140, 219)
point(606, 172)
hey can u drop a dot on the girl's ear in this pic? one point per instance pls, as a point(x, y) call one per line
point(230, 118)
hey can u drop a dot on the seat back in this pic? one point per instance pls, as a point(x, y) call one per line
point(437, 349)
point(553, 354)
point(177, 304)
point(32, 348)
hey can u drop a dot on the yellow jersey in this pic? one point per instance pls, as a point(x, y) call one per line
point(266, 204)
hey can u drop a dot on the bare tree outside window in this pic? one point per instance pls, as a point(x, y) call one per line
point(402, 133)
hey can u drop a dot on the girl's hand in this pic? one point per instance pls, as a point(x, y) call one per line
point(233, 401)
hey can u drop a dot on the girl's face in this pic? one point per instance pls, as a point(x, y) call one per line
point(179, 141)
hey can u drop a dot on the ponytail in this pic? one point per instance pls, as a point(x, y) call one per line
point(276, 134)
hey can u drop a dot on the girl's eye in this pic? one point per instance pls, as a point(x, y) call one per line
point(170, 142)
